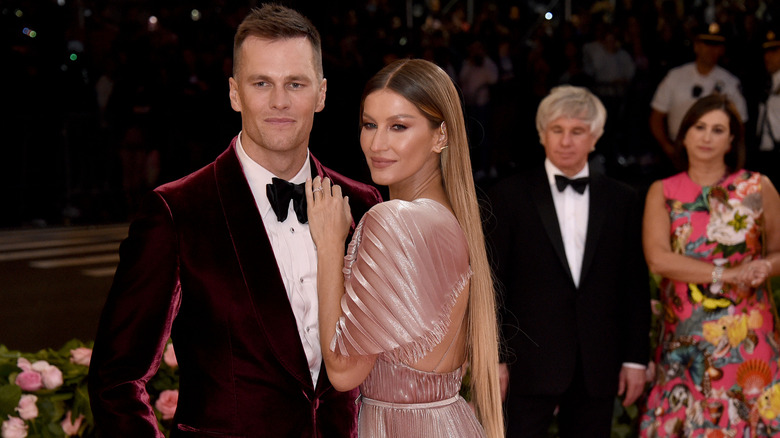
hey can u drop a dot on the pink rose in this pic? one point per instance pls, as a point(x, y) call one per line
point(27, 407)
point(14, 427)
point(170, 357)
point(71, 427)
point(656, 307)
point(167, 402)
point(81, 356)
point(52, 376)
point(24, 364)
point(29, 381)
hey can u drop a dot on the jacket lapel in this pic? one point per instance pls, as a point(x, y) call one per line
point(265, 289)
point(317, 169)
point(540, 192)
point(597, 213)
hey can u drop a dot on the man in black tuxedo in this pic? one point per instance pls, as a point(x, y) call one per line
point(222, 262)
point(565, 244)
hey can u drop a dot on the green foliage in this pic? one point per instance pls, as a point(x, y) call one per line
point(72, 396)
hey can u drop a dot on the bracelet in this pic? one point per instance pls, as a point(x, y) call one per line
point(717, 274)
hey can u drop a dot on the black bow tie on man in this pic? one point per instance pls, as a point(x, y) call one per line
point(578, 184)
point(281, 192)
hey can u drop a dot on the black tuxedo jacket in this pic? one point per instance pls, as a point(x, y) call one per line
point(198, 266)
point(547, 321)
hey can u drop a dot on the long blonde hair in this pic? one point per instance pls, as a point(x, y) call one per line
point(430, 89)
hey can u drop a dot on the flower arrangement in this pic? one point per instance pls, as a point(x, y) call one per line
point(44, 394)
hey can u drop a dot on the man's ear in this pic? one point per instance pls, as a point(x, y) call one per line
point(235, 102)
point(321, 98)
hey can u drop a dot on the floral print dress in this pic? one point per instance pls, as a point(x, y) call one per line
point(718, 352)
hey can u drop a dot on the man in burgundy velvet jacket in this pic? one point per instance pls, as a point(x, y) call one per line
point(218, 262)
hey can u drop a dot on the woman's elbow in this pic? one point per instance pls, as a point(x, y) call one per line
point(654, 260)
point(343, 381)
point(653, 266)
point(348, 372)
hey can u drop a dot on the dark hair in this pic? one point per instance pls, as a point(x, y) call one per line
point(276, 22)
point(735, 157)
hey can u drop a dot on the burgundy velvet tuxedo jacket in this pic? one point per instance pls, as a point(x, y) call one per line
point(198, 266)
point(548, 321)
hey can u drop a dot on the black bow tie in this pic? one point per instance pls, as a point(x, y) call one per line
point(578, 184)
point(280, 193)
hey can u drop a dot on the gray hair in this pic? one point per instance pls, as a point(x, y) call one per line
point(572, 102)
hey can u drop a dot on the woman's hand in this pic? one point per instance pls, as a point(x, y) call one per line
point(756, 272)
point(329, 213)
point(751, 273)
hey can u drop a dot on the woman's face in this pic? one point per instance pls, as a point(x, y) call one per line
point(401, 147)
point(709, 138)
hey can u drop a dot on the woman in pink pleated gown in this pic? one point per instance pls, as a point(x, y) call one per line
point(412, 303)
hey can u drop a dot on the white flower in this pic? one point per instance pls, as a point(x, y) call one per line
point(24, 364)
point(27, 407)
point(52, 376)
point(40, 365)
point(728, 226)
point(14, 427)
point(69, 426)
point(81, 356)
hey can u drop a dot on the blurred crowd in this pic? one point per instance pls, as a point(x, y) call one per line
point(107, 99)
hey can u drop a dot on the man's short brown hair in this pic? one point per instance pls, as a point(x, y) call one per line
point(277, 22)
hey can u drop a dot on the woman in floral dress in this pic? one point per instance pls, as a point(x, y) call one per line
point(706, 231)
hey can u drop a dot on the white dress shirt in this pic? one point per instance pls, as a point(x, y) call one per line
point(572, 210)
point(295, 255)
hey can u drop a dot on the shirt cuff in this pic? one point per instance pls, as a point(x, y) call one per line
point(637, 366)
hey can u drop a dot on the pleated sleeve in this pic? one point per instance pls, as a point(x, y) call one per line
point(404, 270)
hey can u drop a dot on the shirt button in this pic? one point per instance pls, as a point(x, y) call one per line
point(301, 279)
point(292, 230)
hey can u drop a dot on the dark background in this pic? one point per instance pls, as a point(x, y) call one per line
point(101, 104)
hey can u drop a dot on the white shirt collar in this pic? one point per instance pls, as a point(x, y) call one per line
point(258, 176)
point(552, 171)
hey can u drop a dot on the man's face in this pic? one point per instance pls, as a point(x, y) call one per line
point(277, 91)
point(708, 54)
point(567, 143)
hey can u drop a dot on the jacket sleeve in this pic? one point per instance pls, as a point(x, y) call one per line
point(499, 241)
point(635, 320)
point(135, 325)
